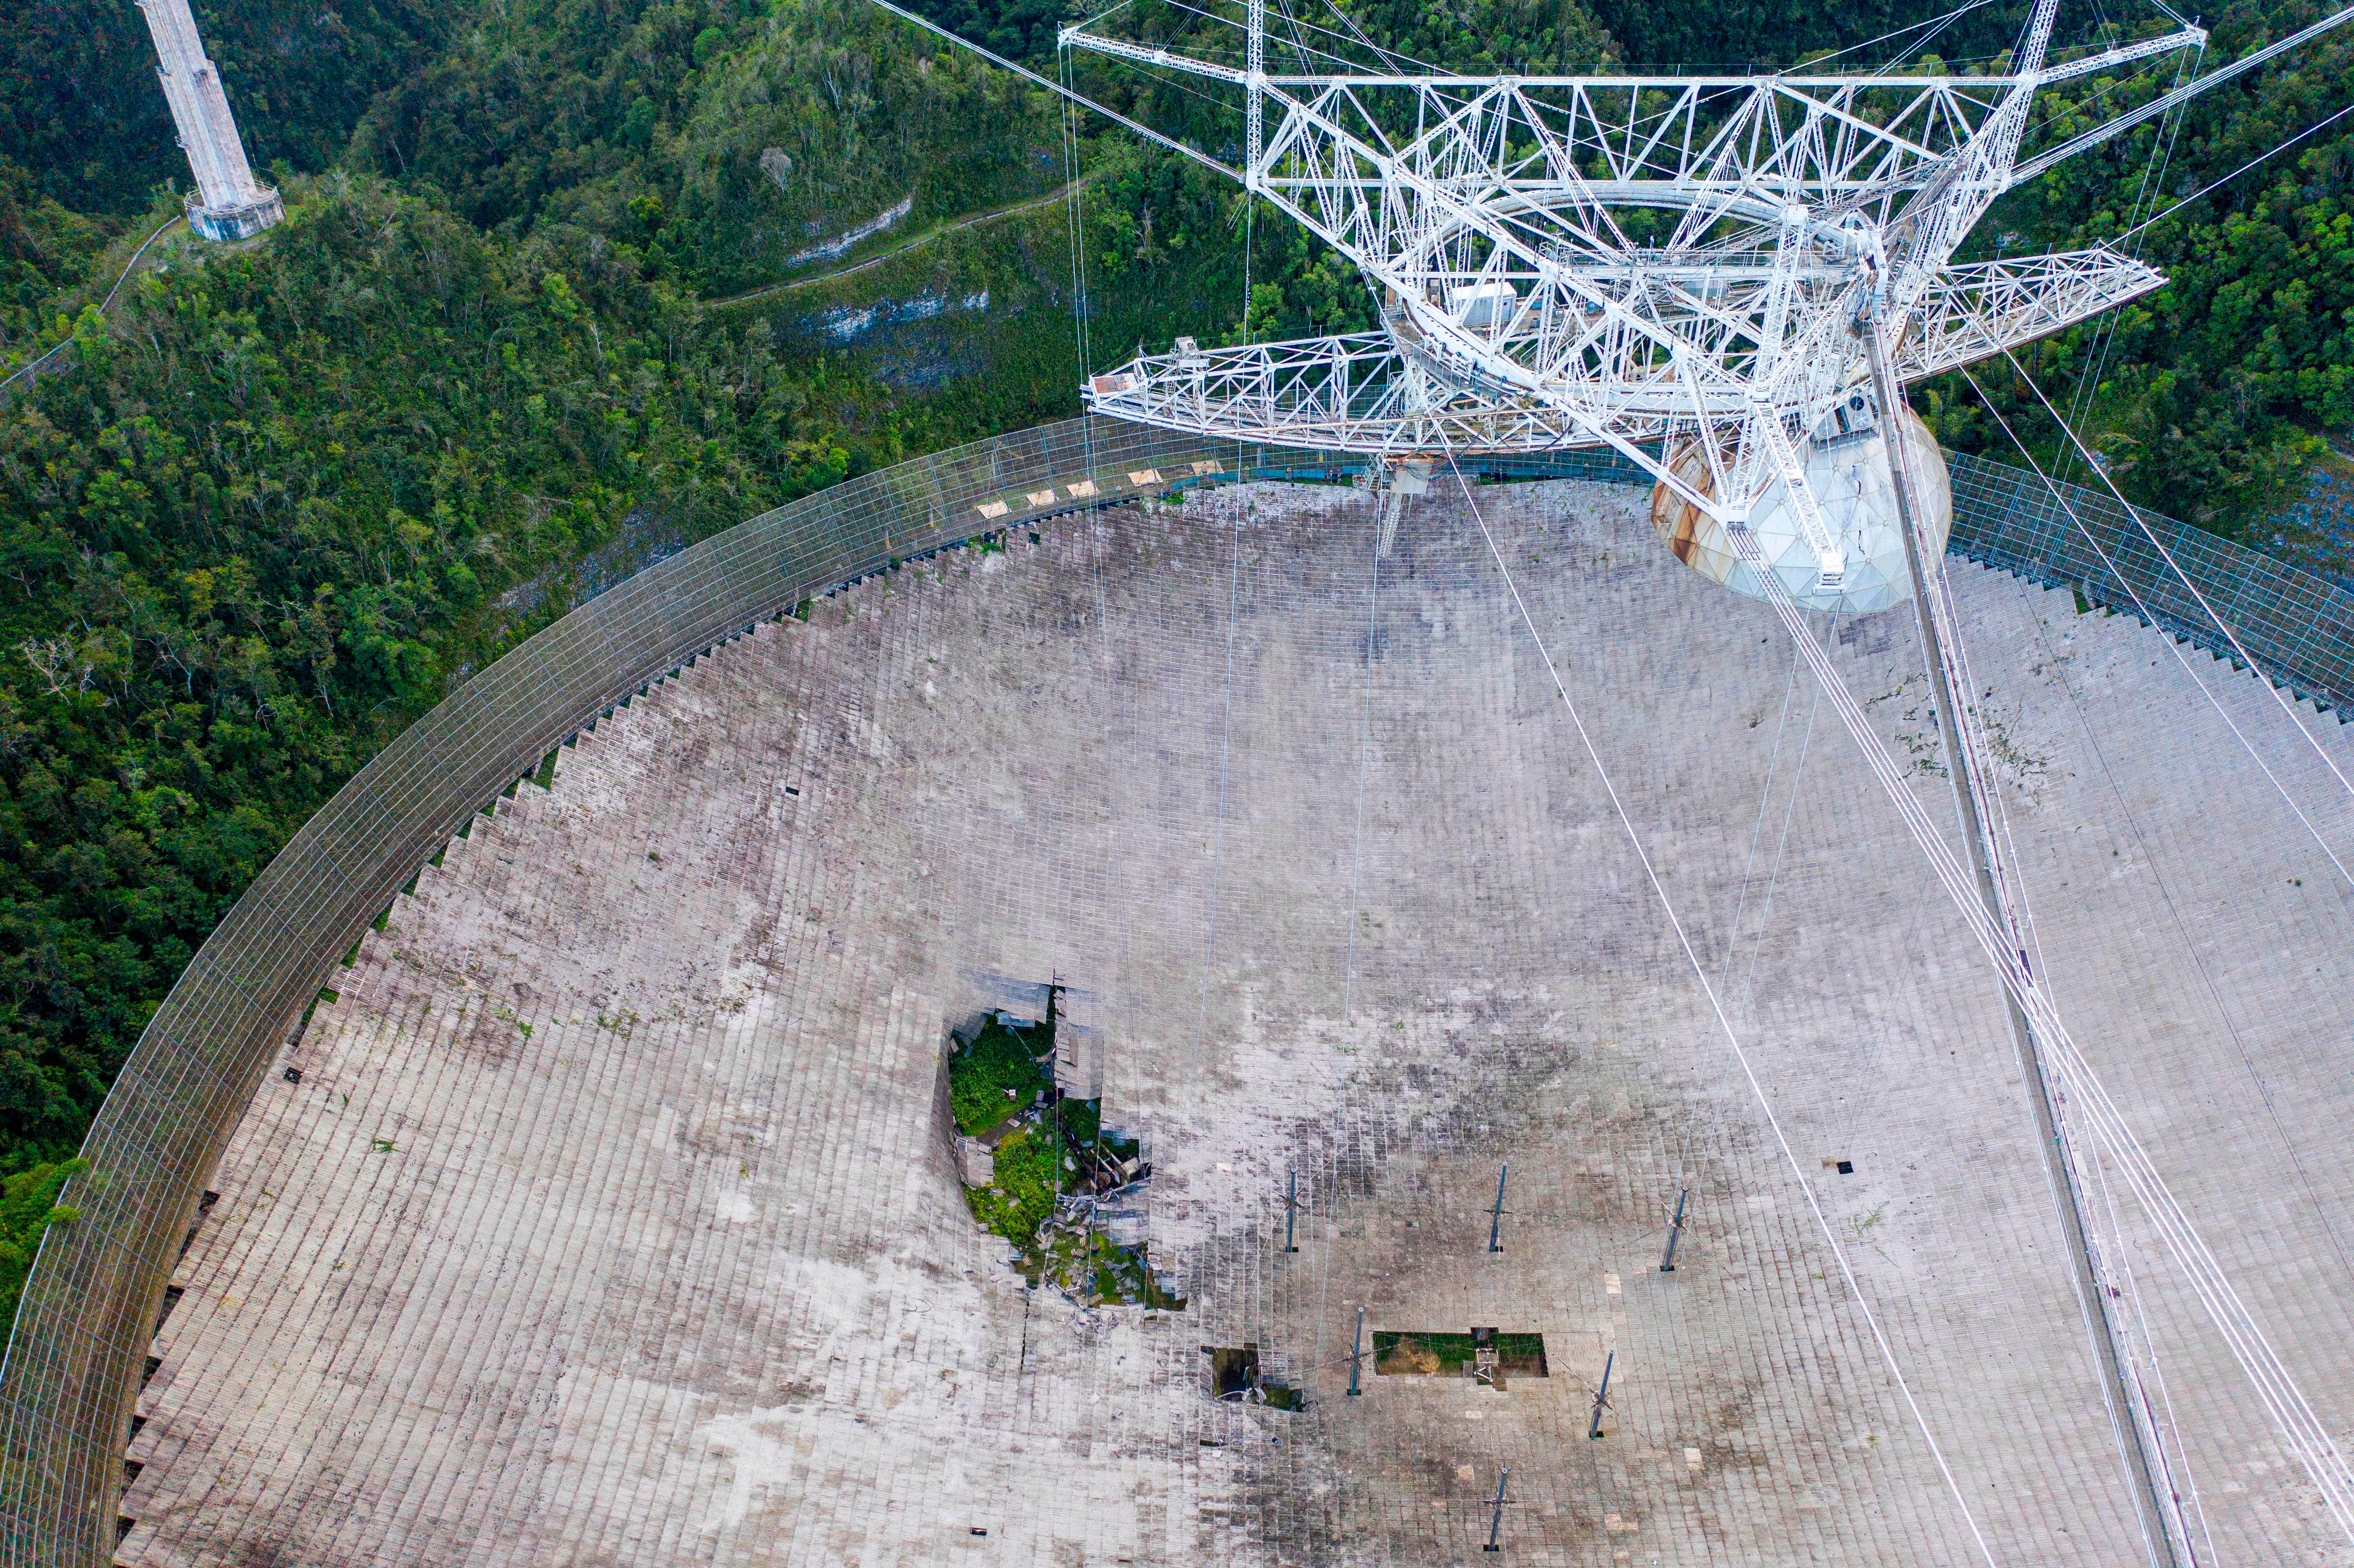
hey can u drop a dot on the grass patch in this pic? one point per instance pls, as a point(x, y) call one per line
point(1423, 1355)
point(1398, 1353)
point(1059, 1152)
point(1081, 1122)
point(1055, 1150)
point(1021, 1197)
point(997, 1075)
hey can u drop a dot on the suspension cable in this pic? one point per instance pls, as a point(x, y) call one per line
point(993, 57)
point(2150, 616)
point(2153, 187)
point(2281, 146)
point(2077, 1085)
point(1938, 21)
point(1740, 1056)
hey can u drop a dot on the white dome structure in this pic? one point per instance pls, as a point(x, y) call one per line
point(1847, 467)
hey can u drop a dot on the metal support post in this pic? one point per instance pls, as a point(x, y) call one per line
point(1495, 1219)
point(1675, 1232)
point(1290, 1212)
point(1357, 1354)
point(229, 203)
point(2156, 1518)
point(1496, 1523)
point(1602, 1396)
point(1254, 95)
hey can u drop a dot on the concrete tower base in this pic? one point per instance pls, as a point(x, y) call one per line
point(241, 221)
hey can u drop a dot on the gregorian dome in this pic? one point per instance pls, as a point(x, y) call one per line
point(1848, 469)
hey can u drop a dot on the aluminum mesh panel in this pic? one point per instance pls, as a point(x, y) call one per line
point(2297, 627)
point(77, 1355)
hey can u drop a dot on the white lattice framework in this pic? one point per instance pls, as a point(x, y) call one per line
point(1781, 219)
point(1365, 392)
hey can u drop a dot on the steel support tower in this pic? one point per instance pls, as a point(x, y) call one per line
point(229, 203)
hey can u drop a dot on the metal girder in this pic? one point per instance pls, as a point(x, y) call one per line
point(1491, 217)
point(1370, 392)
point(2036, 165)
point(1975, 312)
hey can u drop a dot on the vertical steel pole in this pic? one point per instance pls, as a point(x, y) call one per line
point(1675, 1233)
point(1290, 1212)
point(1357, 1354)
point(1496, 1524)
point(1254, 89)
point(1497, 1218)
point(1602, 1395)
point(2157, 1530)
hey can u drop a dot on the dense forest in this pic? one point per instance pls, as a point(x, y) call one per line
point(561, 285)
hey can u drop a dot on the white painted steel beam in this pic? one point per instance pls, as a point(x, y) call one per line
point(1495, 218)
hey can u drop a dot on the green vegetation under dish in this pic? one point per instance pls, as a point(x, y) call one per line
point(1053, 1159)
point(998, 1076)
point(1406, 1355)
point(29, 1206)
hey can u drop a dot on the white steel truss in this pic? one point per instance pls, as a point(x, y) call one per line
point(1372, 392)
point(1631, 260)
